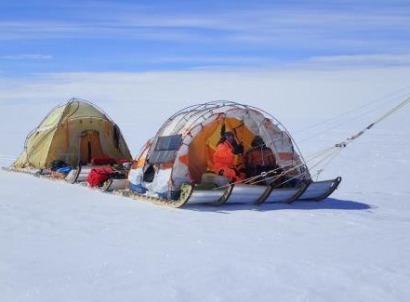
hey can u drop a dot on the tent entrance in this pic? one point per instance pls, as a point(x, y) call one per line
point(90, 146)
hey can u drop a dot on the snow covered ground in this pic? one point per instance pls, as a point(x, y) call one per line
point(62, 242)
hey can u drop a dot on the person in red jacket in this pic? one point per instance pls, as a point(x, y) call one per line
point(224, 157)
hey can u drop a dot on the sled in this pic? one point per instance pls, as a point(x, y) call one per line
point(244, 194)
point(45, 173)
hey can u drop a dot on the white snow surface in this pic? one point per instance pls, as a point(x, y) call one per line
point(64, 242)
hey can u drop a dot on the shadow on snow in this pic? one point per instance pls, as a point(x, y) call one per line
point(326, 204)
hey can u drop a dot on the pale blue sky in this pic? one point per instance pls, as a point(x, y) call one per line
point(133, 36)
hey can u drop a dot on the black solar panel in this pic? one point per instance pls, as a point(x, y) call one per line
point(165, 149)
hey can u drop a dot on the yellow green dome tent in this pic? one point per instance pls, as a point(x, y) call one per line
point(74, 132)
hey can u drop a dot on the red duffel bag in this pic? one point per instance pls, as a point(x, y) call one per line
point(98, 176)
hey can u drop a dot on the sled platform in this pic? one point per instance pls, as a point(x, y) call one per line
point(320, 190)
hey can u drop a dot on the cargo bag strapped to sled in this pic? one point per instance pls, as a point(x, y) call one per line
point(98, 176)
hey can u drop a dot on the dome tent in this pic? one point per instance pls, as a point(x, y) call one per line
point(181, 151)
point(74, 132)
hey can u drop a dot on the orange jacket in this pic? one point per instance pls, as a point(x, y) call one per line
point(223, 157)
point(223, 161)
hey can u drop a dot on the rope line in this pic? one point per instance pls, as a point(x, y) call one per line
point(360, 133)
point(324, 156)
point(336, 120)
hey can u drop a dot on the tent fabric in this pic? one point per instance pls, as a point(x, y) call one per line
point(73, 132)
point(185, 143)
